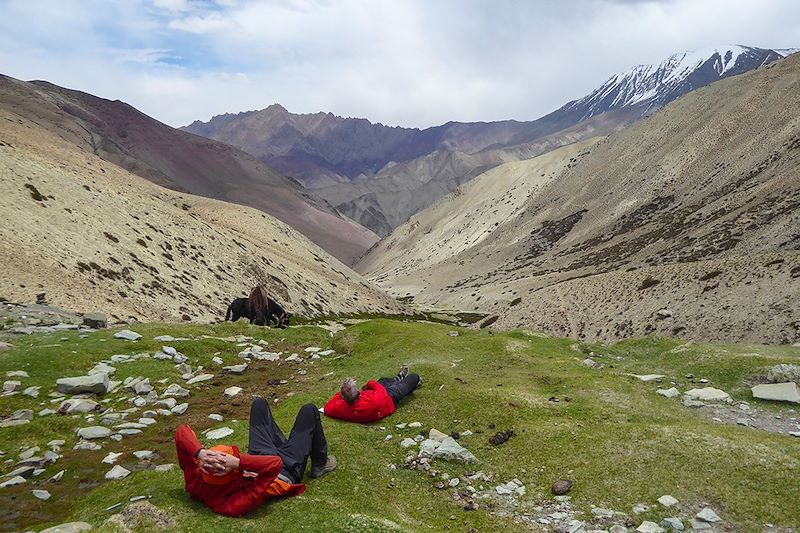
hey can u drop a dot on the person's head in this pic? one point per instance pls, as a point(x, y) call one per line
point(349, 390)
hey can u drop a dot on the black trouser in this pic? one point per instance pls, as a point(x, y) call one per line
point(306, 439)
point(400, 388)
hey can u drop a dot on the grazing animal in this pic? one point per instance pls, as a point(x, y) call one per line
point(239, 308)
point(263, 309)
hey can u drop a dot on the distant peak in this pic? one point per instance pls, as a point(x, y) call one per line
point(277, 108)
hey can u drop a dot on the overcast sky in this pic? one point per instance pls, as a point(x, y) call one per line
point(400, 62)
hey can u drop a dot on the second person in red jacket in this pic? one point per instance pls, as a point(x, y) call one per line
point(374, 401)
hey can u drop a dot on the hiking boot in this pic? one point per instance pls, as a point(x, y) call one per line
point(402, 374)
point(329, 466)
point(419, 384)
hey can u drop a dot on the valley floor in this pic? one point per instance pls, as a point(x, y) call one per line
point(620, 442)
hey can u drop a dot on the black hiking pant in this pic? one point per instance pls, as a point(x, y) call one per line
point(306, 439)
point(400, 388)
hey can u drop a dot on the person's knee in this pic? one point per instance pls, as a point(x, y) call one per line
point(309, 409)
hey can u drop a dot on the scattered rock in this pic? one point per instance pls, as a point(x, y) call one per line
point(17, 374)
point(221, 433)
point(450, 450)
point(647, 377)
point(216, 417)
point(86, 445)
point(141, 515)
point(235, 369)
point(708, 394)
point(407, 443)
point(512, 488)
point(41, 494)
point(95, 320)
point(591, 363)
point(180, 408)
point(415, 425)
point(669, 393)
point(127, 335)
point(164, 468)
point(708, 515)
point(16, 480)
point(11, 386)
point(145, 455)
point(640, 508)
point(69, 527)
point(94, 432)
point(672, 523)
point(232, 391)
point(783, 373)
point(667, 500)
point(176, 390)
point(118, 472)
point(699, 525)
point(95, 384)
point(200, 379)
point(435, 434)
point(111, 458)
point(164, 338)
point(217, 360)
point(649, 527)
point(561, 487)
point(780, 392)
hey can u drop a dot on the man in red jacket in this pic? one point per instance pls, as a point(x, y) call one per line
point(374, 401)
point(233, 484)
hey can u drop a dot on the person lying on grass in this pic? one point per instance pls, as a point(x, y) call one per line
point(375, 400)
point(232, 483)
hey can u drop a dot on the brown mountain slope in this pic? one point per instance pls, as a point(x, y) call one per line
point(181, 161)
point(687, 223)
point(94, 236)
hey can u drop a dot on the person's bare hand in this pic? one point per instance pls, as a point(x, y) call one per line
point(211, 462)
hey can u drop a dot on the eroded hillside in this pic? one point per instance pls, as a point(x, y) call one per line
point(93, 236)
point(685, 224)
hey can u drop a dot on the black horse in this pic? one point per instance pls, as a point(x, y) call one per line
point(263, 309)
point(239, 308)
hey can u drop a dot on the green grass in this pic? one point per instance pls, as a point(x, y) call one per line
point(619, 441)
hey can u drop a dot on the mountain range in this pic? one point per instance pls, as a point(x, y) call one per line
point(686, 224)
point(380, 175)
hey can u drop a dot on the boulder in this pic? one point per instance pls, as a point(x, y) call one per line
point(427, 447)
point(94, 383)
point(127, 335)
point(95, 320)
point(779, 392)
point(783, 373)
point(708, 394)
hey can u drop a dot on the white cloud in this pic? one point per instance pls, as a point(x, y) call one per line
point(412, 63)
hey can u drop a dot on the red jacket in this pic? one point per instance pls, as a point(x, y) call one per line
point(243, 493)
point(372, 404)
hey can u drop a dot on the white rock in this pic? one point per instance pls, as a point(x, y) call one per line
point(16, 480)
point(86, 445)
point(118, 472)
point(668, 393)
point(164, 468)
point(781, 392)
point(41, 494)
point(427, 447)
point(176, 390)
point(164, 338)
point(312, 349)
point(388, 437)
point(111, 458)
point(70, 527)
point(216, 417)
point(232, 391)
point(127, 335)
point(144, 455)
point(33, 392)
point(667, 500)
point(217, 360)
point(454, 482)
point(708, 394)
point(221, 433)
point(648, 377)
point(200, 379)
point(438, 436)
point(649, 527)
point(17, 374)
point(415, 425)
point(325, 353)
point(235, 369)
point(147, 421)
point(294, 358)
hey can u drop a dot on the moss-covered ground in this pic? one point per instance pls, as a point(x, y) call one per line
point(611, 434)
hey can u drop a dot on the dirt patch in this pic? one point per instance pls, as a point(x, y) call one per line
point(140, 516)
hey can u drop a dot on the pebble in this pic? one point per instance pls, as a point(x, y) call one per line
point(218, 360)
point(388, 437)
point(454, 482)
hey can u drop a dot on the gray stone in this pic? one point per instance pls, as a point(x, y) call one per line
point(648, 377)
point(22, 414)
point(86, 445)
point(16, 480)
point(216, 417)
point(649, 527)
point(438, 436)
point(672, 523)
point(103, 368)
point(118, 472)
point(57, 476)
point(708, 515)
point(669, 393)
point(169, 350)
point(407, 443)
point(147, 421)
point(111, 458)
point(143, 387)
point(145, 455)
point(164, 338)
point(46, 412)
point(427, 447)
point(70, 527)
point(180, 408)
point(169, 403)
point(235, 369)
point(217, 360)
point(780, 392)
point(450, 450)
point(708, 394)
point(94, 432)
point(130, 425)
point(294, 358)
point(591, 363)
point(30, 452)
point(200, 379)
point(601, 512)
point(78, 406)
point(33, 392)
point(221, 433)
point(11, 385)
point(176, 390)
point(17, 374)
point(667, 500)
point(164, 468)
point(41, 494)
point(94, 383)
point(783, 373)
point(618, 529)
point(95, 320)
point(699, 525)
point(127, 335)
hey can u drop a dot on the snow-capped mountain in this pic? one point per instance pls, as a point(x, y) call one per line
point(652, 86)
